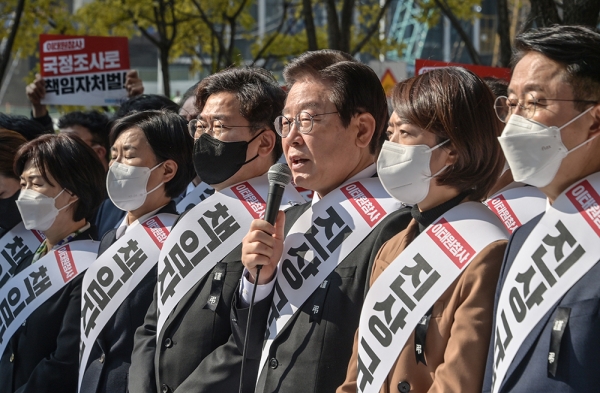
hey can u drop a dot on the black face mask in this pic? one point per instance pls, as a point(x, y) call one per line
point(216, 161)
point(9, 213)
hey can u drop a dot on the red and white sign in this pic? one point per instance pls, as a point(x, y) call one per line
point(84, 70)
point(585, 199)
point(422, 66)
point(504, 212)
point(451, 242)
point(251, 199)
point(157, 231)
point(368, 207)
point(66, 263)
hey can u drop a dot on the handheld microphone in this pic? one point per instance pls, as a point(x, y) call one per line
point(279, 176)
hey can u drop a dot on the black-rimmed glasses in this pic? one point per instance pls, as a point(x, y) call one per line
point(214, 128)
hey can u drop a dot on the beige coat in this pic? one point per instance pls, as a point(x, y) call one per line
point(459, 331)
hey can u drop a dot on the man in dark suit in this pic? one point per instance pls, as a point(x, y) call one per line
point(554, 96)
point(334, 135)
point(236, 105)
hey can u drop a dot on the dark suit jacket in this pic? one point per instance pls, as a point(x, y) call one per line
point(107, 217)
point(110, 357)
point(306, 356)
point(46, 347)
point(579, 360)
point(190, 334)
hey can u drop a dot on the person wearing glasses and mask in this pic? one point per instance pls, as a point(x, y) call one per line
point(235, 145)
point(547, 307)
point(150, 165)
point(62, 182)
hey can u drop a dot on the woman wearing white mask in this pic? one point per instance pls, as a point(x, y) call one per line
point(151, 163)
point(61, 182)
point(443, 157)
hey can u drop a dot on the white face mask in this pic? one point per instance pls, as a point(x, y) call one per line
point(38, 210)
point(126, 185)
point(534, 151)
point(404, 170)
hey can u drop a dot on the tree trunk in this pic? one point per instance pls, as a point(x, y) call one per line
point(461, 32)
point(581, 12)
point(504, 33)
point(333, 27)
point(164, 65)
point(309, 23)
point(5, 56)
point(345, 25)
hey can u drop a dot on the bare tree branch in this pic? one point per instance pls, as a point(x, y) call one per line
point(373, 29)
point(447, 11)
point(4, 59)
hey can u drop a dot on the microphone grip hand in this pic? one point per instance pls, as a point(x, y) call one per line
point(263, 246)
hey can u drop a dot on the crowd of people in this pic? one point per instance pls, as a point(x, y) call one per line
point(450, 243)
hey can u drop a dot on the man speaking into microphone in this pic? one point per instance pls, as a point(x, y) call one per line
point(312, 285)
point(199, 265)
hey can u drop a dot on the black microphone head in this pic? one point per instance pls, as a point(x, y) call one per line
point(280, 174)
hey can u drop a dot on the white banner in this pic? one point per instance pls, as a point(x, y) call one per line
point(559, 251)
point(198, 194)
point(516, 206)
point(206, 234)
point(29, 289)
point(15, 245)
point(115, 274)
point(319, 241)
point(413, 282)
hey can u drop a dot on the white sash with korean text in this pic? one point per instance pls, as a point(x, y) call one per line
point(560, 250)
point(319, 241)
point(198, 194)
point(30, 288)
point(115, 274)
point(414, 281)
point(206, 234)
point(15, 245)
point(516, 206)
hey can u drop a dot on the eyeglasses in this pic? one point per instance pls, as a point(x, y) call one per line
point(304, 123)
point(505, 107)
point(214, 128)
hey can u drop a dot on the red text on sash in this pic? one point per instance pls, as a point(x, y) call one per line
point(66, 263)
point(250, 199)
point(157, 231)
point(585, 199)
point(451, 242)
point(502, 209)
point(368, 207)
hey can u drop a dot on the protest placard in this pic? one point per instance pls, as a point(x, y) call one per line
point(84, 70)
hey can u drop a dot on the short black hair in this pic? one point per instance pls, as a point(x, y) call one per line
point(72, 163)
point(576, 47)
point(10, 142)
point(96, 122)
point(169, 138)
point(498, 86)
point(191, 91)
point(29, 128)
point(310, 63)
point(355, 88)
point(145, 102)
point(260, 97)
